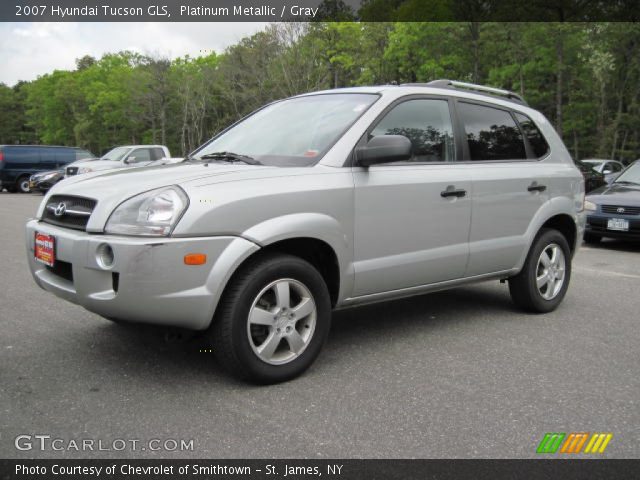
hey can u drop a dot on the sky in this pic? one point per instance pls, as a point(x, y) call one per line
point(28, 50)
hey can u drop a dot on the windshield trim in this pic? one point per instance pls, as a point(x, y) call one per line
point(306, 95)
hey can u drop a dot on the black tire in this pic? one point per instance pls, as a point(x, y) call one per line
point(229, 334)
point(522, 287)
point(592, 239)
point(22, 184)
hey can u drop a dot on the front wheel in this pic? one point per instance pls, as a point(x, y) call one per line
point(544, 279)
point(272, 320)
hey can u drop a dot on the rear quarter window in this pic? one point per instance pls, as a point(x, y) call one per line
point(536, 140)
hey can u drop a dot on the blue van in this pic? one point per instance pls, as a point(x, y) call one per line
point(19, 162)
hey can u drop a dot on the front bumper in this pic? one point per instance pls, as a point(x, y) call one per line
point(597, 225)
point(148, 281)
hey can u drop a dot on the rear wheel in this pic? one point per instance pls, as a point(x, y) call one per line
point(273, 319)
point(544, 279)
point(23, 184)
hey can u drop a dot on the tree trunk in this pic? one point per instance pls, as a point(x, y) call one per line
point(474, 30)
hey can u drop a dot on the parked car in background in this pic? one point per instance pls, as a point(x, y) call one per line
point(609, 168)
point(592, 178)
point(331, 199)
point(45, 180)
point(19, 162)
point(614, 211)
point(123, 157)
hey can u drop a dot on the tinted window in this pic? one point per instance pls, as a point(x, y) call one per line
point(536, 140)
point(426, 123)
point(492, 134)
point(614, 167)
point(22, 154)
point(64, 156)
point(157, 153)
point(81, 154)
point(139, 155)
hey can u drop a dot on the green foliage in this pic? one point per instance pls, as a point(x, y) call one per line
point(585, 77)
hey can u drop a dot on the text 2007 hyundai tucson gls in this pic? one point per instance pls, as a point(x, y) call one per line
point(318, 202)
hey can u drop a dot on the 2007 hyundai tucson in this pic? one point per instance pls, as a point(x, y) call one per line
point(319, 202)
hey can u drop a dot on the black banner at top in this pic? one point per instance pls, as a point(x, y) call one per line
point(318, 10)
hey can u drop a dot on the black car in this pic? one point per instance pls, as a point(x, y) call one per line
point(45, 180)
point(592, 178)
point(614, 210)
point(19, 162)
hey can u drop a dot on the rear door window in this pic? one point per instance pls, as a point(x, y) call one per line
point(491, 133)
point(157, 153)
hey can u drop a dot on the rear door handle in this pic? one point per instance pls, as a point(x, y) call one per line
point(534, 187)
point(452, 191)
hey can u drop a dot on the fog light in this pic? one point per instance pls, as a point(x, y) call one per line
point(104, 256)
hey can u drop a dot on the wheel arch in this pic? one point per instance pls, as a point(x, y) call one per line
point(559, 214)
point(566, 226)
point(316, 238)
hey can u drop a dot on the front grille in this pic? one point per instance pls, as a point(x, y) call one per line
point(72, 171)
point(62, 270)
point(620, 210)
point(68, 211)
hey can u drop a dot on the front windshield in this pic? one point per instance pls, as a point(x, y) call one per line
point(630, 175)
point(115, 154)
point(293, 132)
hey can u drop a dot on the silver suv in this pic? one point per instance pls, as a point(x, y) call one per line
point(319, 202)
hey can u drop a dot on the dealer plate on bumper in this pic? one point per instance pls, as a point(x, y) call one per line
point(619, 224)
point(45, 248)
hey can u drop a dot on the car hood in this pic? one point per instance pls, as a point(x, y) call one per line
point(113, 187)
point(616, 194)
point(97, 165)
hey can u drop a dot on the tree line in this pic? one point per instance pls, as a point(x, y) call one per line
point(585, 77)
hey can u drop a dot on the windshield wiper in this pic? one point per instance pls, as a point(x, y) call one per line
point(627, 182)
point(231, 157)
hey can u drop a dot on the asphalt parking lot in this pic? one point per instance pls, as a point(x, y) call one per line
point(447, 375)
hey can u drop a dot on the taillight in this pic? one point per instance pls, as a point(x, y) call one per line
point(1, 156)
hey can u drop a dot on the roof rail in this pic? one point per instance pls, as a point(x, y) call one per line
point(454, 84)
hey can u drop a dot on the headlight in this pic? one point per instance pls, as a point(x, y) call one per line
point(590, 206)
point(85, 170)
point(151, 213)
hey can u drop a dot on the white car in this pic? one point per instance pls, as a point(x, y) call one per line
point(126, 156)
point(609, 168)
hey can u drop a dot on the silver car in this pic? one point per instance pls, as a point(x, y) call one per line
point(319, 202)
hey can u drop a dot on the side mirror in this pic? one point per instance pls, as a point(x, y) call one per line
point(384, 149)
point(129, 160)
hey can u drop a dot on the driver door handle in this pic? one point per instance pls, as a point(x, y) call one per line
point(534, 187)
point(452, 191)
